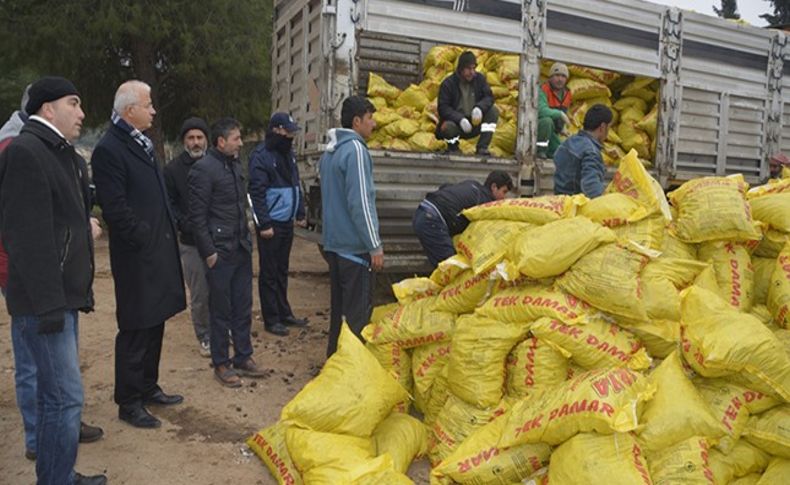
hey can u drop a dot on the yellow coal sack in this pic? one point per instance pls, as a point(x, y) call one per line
point(269, 445)
point(402, 128)
point(412, 325)
point(403, 437)
point(648, 232)
point(686, 462)
point(774, 186)
point(449, 269)
point(601, 400)
point(534, 364)
point(776, 473)
point(427, 362)
point(397, 362)
point(378, 87)
point(672, 247)
point(742, 460)
point(351, 395)
point(677, 411)
point(466, 292)
point(649, 122)
point(537, 210)
point(770, 431)
point(528, 303)
point(476, 370)
point(613, 209)
point(633, 180)
point(484, 243)
point(608, 278)
point(763, 270)
point(732, 406)
point(332, 458)
point(779, 289)
point(734, 271)
point(772, 243)
point(551, 249)
point(411, 289)
point(455, 422)
point(719, 341)
point(593, 458)
point(413, 96)
point(480, 461)
point(587, 88)
point(593, 343)
point(712, 208)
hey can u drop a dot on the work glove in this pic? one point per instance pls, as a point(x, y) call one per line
point(477, 116)
point(466, 126)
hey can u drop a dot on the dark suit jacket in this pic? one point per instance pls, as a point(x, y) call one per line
point(144, 256)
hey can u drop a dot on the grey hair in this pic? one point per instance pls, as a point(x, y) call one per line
point(129, 93)
point(25, 98)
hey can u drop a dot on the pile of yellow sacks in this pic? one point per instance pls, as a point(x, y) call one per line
point(627, 339)
point(406, 119)
point(634, 104)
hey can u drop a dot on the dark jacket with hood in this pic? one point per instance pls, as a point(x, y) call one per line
point(451, 199)
point(218, 205)
point(274, 183)
point(450, 97)
point(45, 205)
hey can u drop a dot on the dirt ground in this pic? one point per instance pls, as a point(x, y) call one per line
point(202, 440)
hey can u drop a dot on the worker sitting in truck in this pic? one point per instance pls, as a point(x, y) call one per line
point(554, 100)
point(578, 164)
point(438, 217)
point(466, 107)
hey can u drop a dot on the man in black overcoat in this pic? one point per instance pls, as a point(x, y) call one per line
point(144, 256)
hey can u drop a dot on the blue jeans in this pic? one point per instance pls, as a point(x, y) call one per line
point(433, 235)
point(58, 397)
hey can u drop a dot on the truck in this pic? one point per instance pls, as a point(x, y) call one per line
point(722, 107)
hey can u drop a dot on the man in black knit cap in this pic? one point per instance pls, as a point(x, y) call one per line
point(466, 107)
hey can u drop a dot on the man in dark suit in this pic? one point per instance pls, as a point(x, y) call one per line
point(144, 256)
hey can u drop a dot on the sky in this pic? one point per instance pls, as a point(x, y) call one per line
point(750, 10)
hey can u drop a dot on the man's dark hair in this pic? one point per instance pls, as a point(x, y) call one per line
point(355, 106)
point(597, 115)
point(222, 128)
point(499, 178)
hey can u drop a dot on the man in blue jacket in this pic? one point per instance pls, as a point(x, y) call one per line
point(350, 232)
point(277, 205)
point(578, 164)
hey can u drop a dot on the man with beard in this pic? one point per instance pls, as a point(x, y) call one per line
point(194, 136)
point(277, 205)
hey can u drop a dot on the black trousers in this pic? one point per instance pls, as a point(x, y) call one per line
point(273, 260)
point(137, 354)
point(351, 295)
point(230, 306)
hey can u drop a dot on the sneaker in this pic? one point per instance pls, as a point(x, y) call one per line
point(205, 349)
point(249, 369)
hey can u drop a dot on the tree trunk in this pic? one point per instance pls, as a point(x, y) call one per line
point(144, 67)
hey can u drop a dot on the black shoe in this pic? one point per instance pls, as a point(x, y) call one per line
point(159, 397)
point(30, 455)
point(452, 148)
point(89, 434)
point(277, 329)
point(138, 417)
point(80, 479)
point(483, 152)
point(292, 321)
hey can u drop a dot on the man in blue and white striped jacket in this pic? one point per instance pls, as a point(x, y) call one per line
point(350, 229)
point(277, 205)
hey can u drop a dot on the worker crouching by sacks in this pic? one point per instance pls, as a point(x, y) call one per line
point(466, 107)
point(438, 217)
point(553, 104)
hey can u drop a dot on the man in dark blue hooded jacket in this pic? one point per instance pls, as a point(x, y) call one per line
point(277, 205)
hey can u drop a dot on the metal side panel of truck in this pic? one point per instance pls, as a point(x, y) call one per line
point(722, 107)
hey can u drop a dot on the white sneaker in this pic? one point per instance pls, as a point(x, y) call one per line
point(205, 349)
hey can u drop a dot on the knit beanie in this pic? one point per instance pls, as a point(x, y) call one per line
point(559, 68)
point(466, 59)
point(193, 123)
point(46, 89)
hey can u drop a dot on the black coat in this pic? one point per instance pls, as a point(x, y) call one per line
point(144, 256)
point(176, 172)
point(450, 97)
point(452, 199)
point(45, 206)
point(218, 205)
